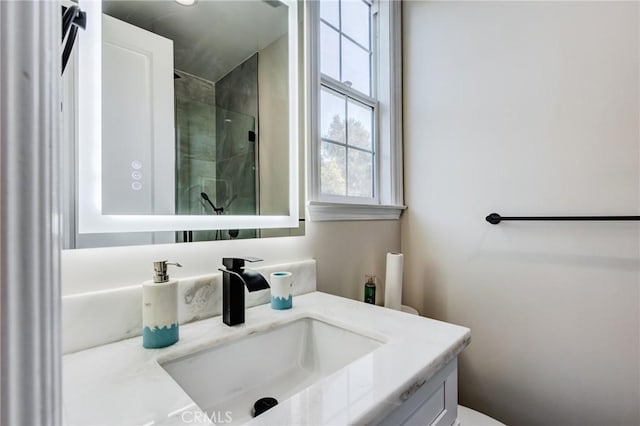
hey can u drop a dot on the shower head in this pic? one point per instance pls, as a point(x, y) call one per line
point(217, 210)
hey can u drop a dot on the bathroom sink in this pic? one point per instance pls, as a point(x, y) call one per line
point(276, 363)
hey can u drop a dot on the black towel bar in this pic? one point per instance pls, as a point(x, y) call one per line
point(495, 218)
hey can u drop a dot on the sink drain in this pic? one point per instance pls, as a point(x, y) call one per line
point(263, 404)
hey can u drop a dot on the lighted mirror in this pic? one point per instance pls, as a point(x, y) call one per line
point(188, 117)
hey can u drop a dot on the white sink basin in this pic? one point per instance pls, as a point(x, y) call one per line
point(276, 363)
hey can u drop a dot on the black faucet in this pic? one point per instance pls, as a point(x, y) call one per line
point(234, 278)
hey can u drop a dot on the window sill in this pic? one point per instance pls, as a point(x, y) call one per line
point(320, 211)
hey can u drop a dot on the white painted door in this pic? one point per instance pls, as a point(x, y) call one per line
point(138, 130)
point(138, 148)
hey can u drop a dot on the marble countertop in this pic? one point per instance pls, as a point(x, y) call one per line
point(123, 384)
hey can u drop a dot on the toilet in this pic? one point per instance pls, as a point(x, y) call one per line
point(469, 417)
point(409, 310)
point(466, 416)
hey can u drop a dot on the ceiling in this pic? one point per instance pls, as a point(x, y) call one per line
point(211, 37)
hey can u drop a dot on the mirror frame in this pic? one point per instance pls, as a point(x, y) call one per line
point(90, 217)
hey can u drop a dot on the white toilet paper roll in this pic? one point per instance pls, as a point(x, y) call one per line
point(393, 281)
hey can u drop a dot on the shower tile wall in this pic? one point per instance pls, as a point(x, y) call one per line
point(236, 157)
point(213, 121)
point(238, 90)
point(196, 146)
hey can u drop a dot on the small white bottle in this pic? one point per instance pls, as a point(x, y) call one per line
point(160, 308)
point(281, 290)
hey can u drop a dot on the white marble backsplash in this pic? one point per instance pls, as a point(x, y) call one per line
point(101, 317)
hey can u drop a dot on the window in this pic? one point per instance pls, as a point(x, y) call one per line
point(355, 100)
point(347, 109)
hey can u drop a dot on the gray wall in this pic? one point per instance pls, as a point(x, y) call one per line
point(195, 147)
point(236, 157)
point(238, 90)
point(524, 109)
point(195, 142)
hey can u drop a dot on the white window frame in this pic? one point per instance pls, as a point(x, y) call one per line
point(387, 202)
point(350, 94)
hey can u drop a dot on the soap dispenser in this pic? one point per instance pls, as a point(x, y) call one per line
point(160, 308)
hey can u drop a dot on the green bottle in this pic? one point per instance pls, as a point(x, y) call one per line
point(370, 289)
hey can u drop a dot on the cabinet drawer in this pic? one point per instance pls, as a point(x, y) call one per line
point(435, 403)
point(430, 410)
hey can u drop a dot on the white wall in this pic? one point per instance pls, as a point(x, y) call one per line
point(527, 109)
point(345, 252)
point(273, 132)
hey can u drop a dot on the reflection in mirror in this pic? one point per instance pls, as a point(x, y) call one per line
point(194, 115)
point(201, 70)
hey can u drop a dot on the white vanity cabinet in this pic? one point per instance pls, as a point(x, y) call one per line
point(434, 402)
point(382, 381)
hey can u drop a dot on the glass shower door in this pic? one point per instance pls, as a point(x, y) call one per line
point(217, 156)
point(236, 165)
